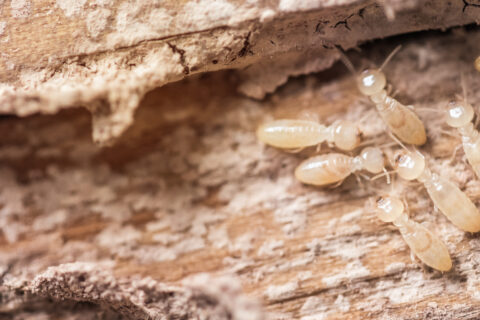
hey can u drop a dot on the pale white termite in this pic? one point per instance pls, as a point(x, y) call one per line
point(400, 119)
point(294, 134)
point(460, 115)
point(428, 247)
point(335, 167)
point(446, 196)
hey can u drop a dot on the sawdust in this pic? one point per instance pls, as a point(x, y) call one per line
point(3, 26)
point(71, 8)
point(97, 21)
point(146, 298)
point(20, 8)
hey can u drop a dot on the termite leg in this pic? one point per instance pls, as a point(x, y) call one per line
point(308, 115)
point(368, 114)
point(416, 261)
point(296, 150)
point(359, 181)
point(364, 176)
point(337, 184)
point(365, 100)
point(454, 154)
point(391, 92)
point(448, 133)
point(413, 258)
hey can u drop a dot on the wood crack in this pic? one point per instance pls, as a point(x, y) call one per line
point(181, 52)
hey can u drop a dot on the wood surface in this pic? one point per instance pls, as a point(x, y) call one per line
point(188, 216)
point(105, 55)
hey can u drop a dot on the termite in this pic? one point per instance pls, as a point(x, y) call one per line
point(428, 247)
point(446, 196)
point(400, 119)
point(335, 167)
point(460, 115)
point(294, 134)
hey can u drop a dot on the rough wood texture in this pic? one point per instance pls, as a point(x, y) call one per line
point(187, 216)
point(107, 54)
point(129, 230)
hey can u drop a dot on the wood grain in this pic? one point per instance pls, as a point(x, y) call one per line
point(188, 190)
point(106, 55)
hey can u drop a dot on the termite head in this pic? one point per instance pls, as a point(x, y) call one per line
point(372, 159)
point(408, 165)
point(346, 135)
point(371, 81)
point(459, 113)
point(388, 209)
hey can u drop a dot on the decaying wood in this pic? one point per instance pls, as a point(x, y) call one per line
point(187, 206)
point(107, 54)
point(187, 215)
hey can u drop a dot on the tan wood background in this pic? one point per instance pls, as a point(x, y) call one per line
point(90, 232)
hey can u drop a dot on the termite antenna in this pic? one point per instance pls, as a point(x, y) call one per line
point(390, 56)
point(392, 185)
point(383, 174)
point(405, 205)
point(464, 86)
point(370, 204)
point(428, 109)
point(387, 175)
point(387, 145)
point(346, 61)
point(397, 141)
point(418, 152)
point(368, 142)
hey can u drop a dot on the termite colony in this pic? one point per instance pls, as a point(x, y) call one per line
point(405, 127)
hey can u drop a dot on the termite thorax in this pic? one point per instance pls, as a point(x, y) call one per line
point(370, 159)
point(358, 163)
point(468, 131)
point(379, 97)
point(402, 222)
point(330, 132)
point(383, 101)
point(428, 178)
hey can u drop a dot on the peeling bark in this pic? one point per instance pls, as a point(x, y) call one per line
point(121, 50)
